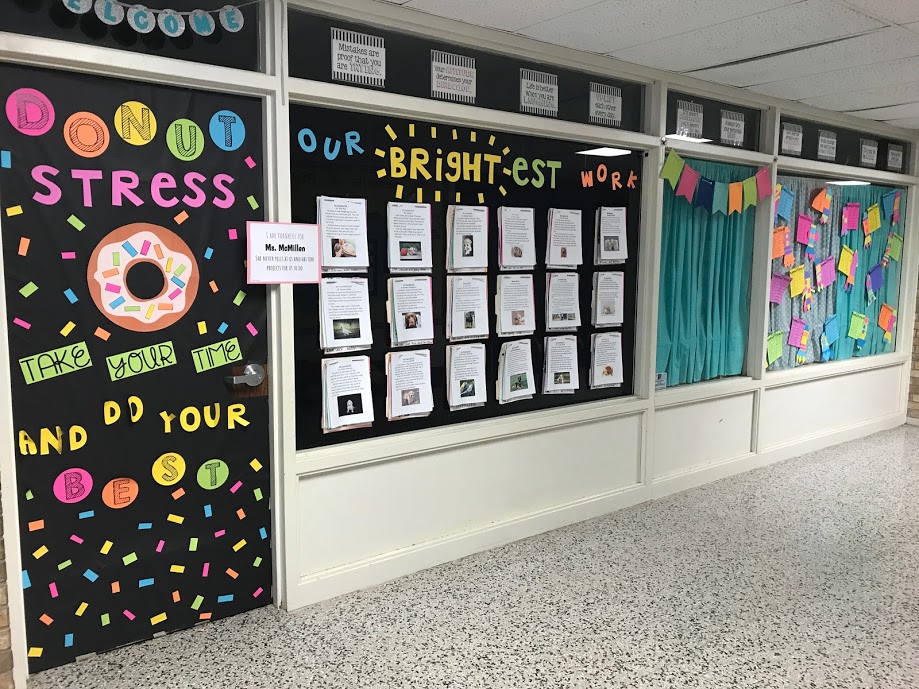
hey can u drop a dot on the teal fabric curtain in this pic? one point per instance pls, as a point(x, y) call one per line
point(704, 303)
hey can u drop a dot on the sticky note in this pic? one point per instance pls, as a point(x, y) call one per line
point(144, 583)
point(874, 218)
point(177, 569)
point(13, 210)
point(255, 464)
point(24, 245)
point(249, 162)
point(239, 545)
point(257, 562)
point(213, 285)
point(223, 328)
point(77, 224)
point(202, 328)
point(197, 602)
point(226, 598)
point(252, 203)
point(35, 652)
point(181, 217)
point(797, 280)
point(858, 326)
point(129, 558)
point(896, 246)
point(28, 289)
point(37, 525)
point(26, 579)
point(68, 640)
point(252, 329)
point(156, 619)
point(232, 234)
point(238, 299)
point(208, 253)
point(258, 494)
point(175, 519)
point(82, 609)
point(64, 565)
point(71, 297)
point(104, 619)
point(778, 287)
point(106, 547)
point(40, 552)
point(6, 161)
point(796, 334)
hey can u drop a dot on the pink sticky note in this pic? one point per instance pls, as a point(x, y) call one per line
point(130, 615)
point(219, 534)
point(250, 162)
point(258, 592)
point(52, 588)
point(21, 323)
point(159, 546)
point(251, 328)
point(176, 292)
point(145, 247)
point(778, 288)
point(236, 486)
point(109, 287)
point(232, 234)
point(850, 217)
point(76, 539)
point(205, 569)
point(68, 255)
point(804, 229)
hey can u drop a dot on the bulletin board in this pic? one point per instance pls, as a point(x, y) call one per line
point(322, 164)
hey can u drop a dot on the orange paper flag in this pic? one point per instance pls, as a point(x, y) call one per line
point(735, 197)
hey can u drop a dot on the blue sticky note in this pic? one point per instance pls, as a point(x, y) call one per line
point(208, 512)
point(6, 160)
point(144, 526)
point(208, 253)
point(831, 330)
point(223, 328)
point(263, 533)
point(144, 583)
point(89, 514)
point(68, 640)
point(26, 580)
point(225, 599)
point(91, 575)
point(71, 297)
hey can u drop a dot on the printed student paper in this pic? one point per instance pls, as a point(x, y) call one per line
point(344, 314)
point(410, 311)
point(343, 226)
point(563, 309)
point(466, 386)
point(467, 307)
point(516, 238)
point(516, 311)
point(563, 242)
point(515, 372)
point(560, 372)
point(607, 303)
point(346, 397)
point(409, 231)
point(408, 384)
point(605, 360)
point(610, 236)
point(467, 236)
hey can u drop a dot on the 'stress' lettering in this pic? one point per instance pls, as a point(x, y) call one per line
point(215, 355)
point(55, 362)
point(143, 360)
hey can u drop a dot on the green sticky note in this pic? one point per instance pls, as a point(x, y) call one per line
point(193, 544)
point(252, 203)
point(29, 495)
point(198, 601)
point(673, 168)
point(104, 618)
point(55, 362)
point(238, 300)
point(28, 289)
point(896, 247)
point(129, 558)
point(150, 358)
point(76, 222)
point(64, 565)
point(775, 345)
point(749, 192)
point(858, 326)
point(215, 355)
point(257, 562)
point(258, 494)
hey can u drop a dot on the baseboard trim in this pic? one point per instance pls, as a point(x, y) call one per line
point(382, 568)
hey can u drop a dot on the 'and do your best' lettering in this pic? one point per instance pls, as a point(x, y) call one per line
point(88, 135)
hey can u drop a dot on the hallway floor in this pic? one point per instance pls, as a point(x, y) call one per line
point(802, 574)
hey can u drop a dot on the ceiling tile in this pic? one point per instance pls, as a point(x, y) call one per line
point(893, 112)
point(509, 15)
point(886, 44)
point(908, 123)
point(619, 24)
point(912, 27)
point(843, 80)
point(877, 97)
point(896, 11)
point(805, 23)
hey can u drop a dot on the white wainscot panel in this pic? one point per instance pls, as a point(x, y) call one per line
point(794, 412)
point(699, 433)
point(355, 514)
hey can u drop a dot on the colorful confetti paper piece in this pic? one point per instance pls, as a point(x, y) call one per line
point(232, 234)
point(13, 210)
point(76, 223)
point(24, 245)
point(71, 297)
point(102, 334)
point(22, 324)
point(181, 217)
point(28, 289)
point(253, 204)
point(248, 161)
point(6, 161)
point(208, 253)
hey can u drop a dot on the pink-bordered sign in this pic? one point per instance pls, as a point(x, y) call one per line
point(279, 253)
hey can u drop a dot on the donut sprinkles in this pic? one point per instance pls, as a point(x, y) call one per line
point(123, 249)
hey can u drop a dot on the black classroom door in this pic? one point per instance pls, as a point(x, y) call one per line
point(142, 473)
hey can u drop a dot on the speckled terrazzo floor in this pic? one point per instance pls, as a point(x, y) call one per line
point(802, 574)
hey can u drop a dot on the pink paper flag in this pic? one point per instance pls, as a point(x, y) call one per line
point(796, 336)
point(763, 183)
point(687, 185)
point(804, 228)
point(850, 217)
point(778, 288)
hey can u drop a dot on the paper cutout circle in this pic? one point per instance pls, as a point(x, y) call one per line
point(109, 12)
point(120, 492)
point(227, 130)
point(202, 23)
point(141, 19)
point(73, 485)
point(78, 6)
point(132, 245)
point(213, 474)
point(30, 112)
point(171, 23)
point(168, 469)
point(231, 19)
point(185, 139)
point(86, 134)
point(135, 123)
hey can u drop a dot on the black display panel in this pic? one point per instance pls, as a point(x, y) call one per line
point(528, 182)
point(848, 145)
point(51, 19)
point(408, 70)
point(711, 119)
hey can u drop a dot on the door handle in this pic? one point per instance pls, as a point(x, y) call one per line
point(253, 376)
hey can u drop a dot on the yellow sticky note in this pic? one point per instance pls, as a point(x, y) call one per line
point(202, 327)
point(797, 280)
point(239, 546)
point(255, 464)
point(82, 609)
point(106, 547)
point(874, 218)
point(177, 569)
point(845, 261)
point(35, 652)
point(40, 552)
point(175, 518)
point(156, 619)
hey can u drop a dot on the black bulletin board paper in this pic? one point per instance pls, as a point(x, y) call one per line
point(356, 175)
point(101, 569)
point(848, 145)
point(711, 118)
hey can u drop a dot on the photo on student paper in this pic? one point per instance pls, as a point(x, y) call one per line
point(518, 317)
point(519, 381)
point(411, 319)
point(411, 397)
point(410, 251)
point(469, 320)
point(559, 317)
point(571, 317)
point(516, 252)
point(343, 248)
point(348, 405)
point(346, 328)
point(606, 371)
point(609, 309)
point(564, 252)
point(562, 377)
point(467, 387)
point(468, 248)
point(611, 243)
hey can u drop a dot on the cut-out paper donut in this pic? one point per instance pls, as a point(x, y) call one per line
point(143, 277)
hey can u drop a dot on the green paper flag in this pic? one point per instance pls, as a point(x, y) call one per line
point(673, 168)
point(749, 192)
point(775, 345)
point(720, 199)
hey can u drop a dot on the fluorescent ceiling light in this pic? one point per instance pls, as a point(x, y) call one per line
point(851, 183)
point(683, 137)
point(606, 152)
